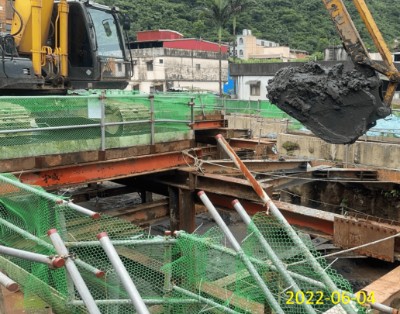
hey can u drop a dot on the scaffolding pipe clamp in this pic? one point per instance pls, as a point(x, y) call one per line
point(74, 273)
point(52, 262)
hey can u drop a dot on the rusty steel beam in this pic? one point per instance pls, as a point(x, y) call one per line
point(346, 173)
point(59, 160)
point(250, 143)
point(389, 175)
point(313, 220)
point(261, 166)
point(208, 136)
point(227, 186)
point(214, 183)
point(107, 170)
point(351, 233)
point(207, 124)
point(142, 214)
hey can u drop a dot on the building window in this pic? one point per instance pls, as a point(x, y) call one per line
point(149, 65)
point(240, 41)
point(255, 89)
point(161, 61)
point(262, 43)
point(198, 66)
point(241, 52)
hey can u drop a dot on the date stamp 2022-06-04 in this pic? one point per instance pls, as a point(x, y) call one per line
point(321, 297)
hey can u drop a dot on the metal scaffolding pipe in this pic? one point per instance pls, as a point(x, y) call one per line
point(122, 242)
point(50, 197)
point(279, 217)
point(280, 267)
point(146, 301)
point(8, 283)
point(236, 246)
point(52, 262)
point(29, 236)
point(73, 272)
point(380, 307)
point(210, 302)
point(122, 273)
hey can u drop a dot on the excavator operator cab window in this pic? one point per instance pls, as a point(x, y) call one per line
point(80, 50)
point(107, 35)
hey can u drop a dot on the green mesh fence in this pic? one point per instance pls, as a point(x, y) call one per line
point(192, 274)
point(33, 126)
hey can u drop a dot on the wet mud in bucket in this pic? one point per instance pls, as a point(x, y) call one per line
point(337, 105)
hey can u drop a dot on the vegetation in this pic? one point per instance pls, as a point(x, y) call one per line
point(301, 24)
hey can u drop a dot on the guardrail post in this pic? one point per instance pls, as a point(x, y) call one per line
point(191, 105)
point(102, 121)
point(152, 121)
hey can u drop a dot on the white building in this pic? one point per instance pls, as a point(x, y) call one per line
point(164, 60)
point(162, 69)
point(249, 47)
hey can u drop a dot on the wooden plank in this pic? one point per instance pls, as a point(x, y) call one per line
point(234, 300)
point(232, 278)
point(140, 258)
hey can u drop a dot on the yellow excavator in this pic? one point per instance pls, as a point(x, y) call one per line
point(340, 104)
point(54, 46)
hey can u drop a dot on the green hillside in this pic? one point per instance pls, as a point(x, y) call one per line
point(301, 24)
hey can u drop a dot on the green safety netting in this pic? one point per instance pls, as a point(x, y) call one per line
point(192, 274)
point(44, 125)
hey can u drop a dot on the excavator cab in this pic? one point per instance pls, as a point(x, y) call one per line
point(96, 52)
point(62, 45)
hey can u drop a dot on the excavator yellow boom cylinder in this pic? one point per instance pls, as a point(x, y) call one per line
point(36, 22)
point(23, 35)
point(63, 10)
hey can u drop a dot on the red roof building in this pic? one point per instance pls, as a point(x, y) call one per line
point(172, 39)
point(163, 60)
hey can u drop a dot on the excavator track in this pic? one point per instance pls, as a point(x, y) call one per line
point(13, 117)
point(122, 112)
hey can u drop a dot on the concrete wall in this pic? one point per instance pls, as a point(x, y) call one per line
point(266, 127)
point(385, 155)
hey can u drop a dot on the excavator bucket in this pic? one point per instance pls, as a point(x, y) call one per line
point(337, 105)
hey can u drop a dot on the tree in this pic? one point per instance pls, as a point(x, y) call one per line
point(221, 12)
point(237, 7)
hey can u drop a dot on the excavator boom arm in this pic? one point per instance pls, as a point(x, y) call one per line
point(355, 46)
